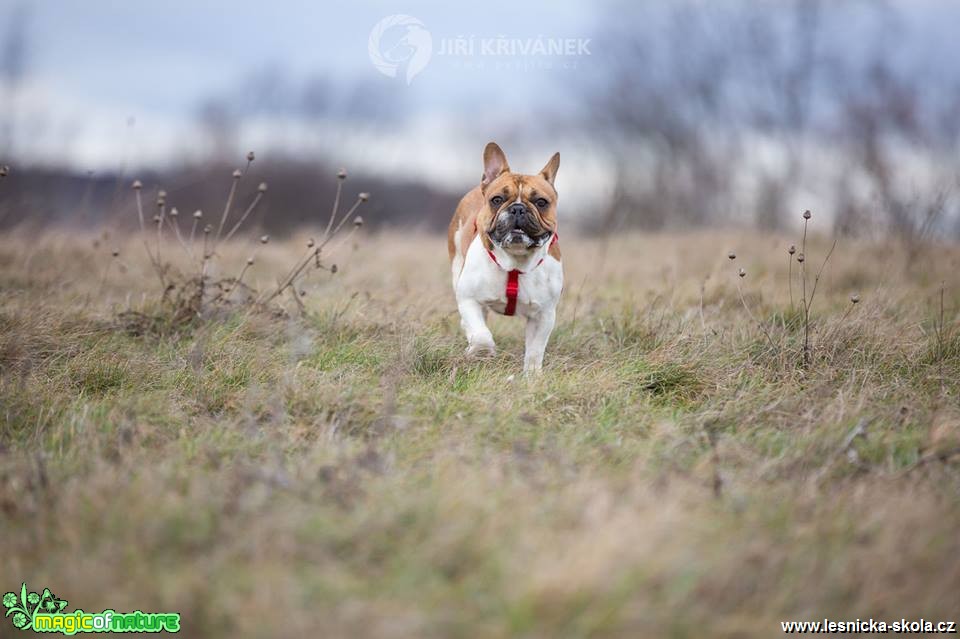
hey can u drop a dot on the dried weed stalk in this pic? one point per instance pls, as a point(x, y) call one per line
point(806, 298)
point(196, 294)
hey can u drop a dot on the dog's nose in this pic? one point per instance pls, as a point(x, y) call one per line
point(517, 209)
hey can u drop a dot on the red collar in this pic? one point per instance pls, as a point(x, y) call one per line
point(513, 279)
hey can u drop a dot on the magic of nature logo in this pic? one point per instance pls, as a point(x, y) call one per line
point(44, 612)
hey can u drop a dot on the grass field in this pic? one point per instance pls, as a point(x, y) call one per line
point(675, 472)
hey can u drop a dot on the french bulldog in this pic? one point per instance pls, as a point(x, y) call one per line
point(505, 256)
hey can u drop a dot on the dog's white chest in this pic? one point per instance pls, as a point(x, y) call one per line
point(483, 280)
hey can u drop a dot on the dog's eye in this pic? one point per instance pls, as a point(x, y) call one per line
point(497, 200)
point(542, 203)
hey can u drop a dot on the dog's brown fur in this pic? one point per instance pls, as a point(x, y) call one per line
point(474, 213)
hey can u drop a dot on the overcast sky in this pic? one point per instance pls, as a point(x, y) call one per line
point(117, 84)
point(108, 83)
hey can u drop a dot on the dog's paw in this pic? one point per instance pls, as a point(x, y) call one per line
point(532, 371)
point(481, 350)
point(481, 346)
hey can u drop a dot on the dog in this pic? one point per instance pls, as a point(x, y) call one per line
point(505, 255)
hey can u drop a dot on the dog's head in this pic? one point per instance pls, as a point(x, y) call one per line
point(520, 215)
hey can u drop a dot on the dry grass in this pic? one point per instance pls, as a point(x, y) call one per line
point(348, 473)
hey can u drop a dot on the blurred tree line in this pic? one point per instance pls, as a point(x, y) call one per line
point(753, 111)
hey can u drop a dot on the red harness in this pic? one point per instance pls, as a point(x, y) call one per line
point(513, 280)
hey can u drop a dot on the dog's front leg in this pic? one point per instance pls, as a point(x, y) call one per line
point(479, 337)
point(539, 328)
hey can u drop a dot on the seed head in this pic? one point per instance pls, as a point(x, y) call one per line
point(303, 293)
point(264, 239)
point(363, 197)
point(806, 215)
point(310, 243)
point(137, 185)
point(197, 214)
point(115, 252)
point(263, 187)
point(161, 201)
point(792, 249)
point(157, 219)
point(342, 174)
point(208, 228)
point(174, 212)
point(251, 156)
point(742, 273)
point(358, 221)
point(250, 259)
point(4, 170)
point(732, 255)
point(333, 268)
point(237, 174)
point(800, 257)
point(855, 298)
point(161, 193)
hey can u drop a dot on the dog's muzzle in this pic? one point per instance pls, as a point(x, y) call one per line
point(518, 228)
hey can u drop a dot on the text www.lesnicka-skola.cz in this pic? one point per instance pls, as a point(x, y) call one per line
point(867, 626)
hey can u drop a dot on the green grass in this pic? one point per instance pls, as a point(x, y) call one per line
point(352, 473)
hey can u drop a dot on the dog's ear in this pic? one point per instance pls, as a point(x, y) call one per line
point(494, 163)
point(550, 170)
